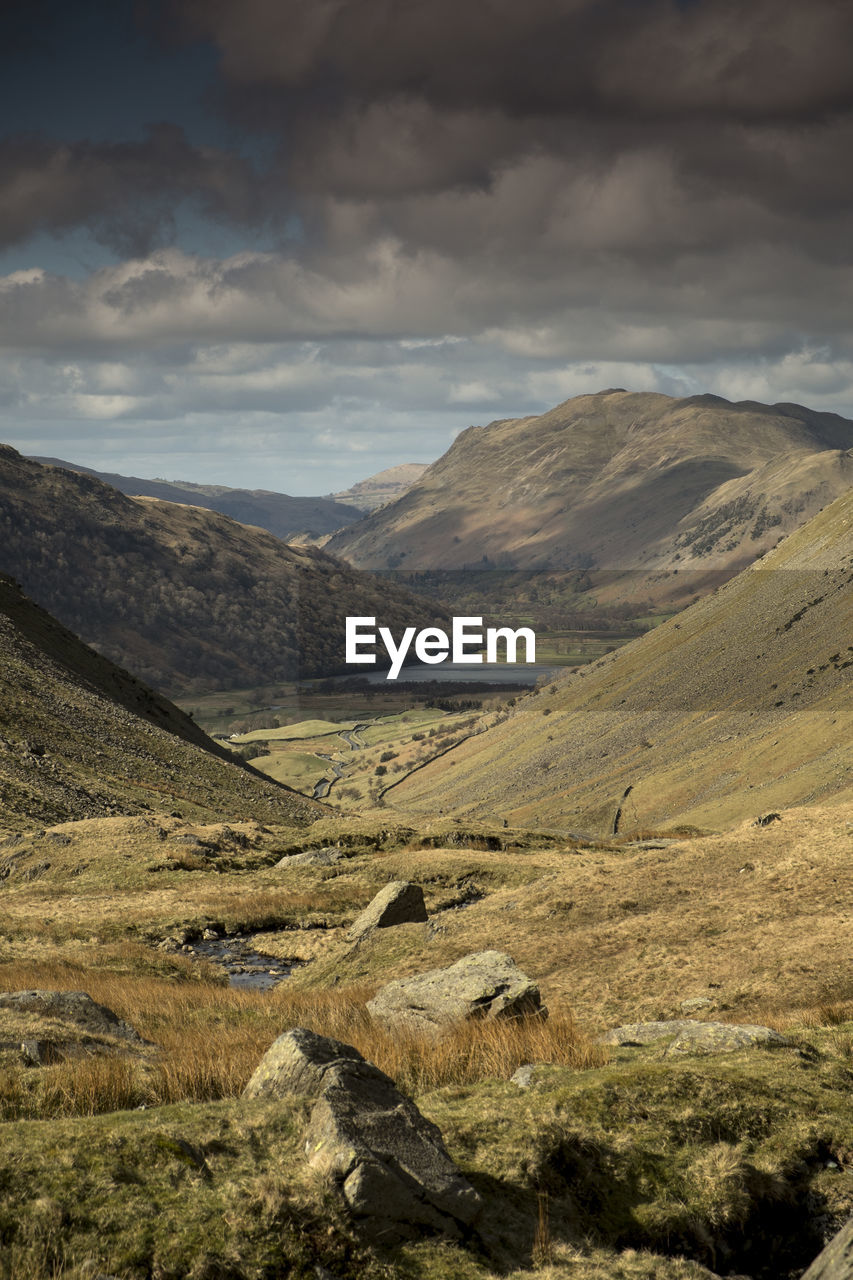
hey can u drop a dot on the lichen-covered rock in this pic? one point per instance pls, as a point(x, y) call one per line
point(637, 1033)
point(390, 1162)
point(721, 1037)
point(487, 984)
point(694, 1037)
point(400, 902)
point(835, 1262)
point(325, 857)
point(76, 1007)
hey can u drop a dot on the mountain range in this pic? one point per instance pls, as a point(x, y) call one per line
point(183, 596)
point(279, 513)
point(634, 485)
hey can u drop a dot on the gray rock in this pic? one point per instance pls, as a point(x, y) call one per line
point(390, 1162)
point(523, 1077)
point(487, 984)
point(325, 857)
point(695, 1004)
point(722, 1037)
point(40, 1053)
point(71, 1006)
point(835, 1262)
point(400, 902)
point(693, 1037)
point(637, 1033)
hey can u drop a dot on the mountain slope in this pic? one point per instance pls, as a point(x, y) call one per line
point(278, 513)
point(615, 481)
point(382, 488)
point(183, 596)
point(740, 704)
point(80, 738)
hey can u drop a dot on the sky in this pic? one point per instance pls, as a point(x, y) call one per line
point(284, 244)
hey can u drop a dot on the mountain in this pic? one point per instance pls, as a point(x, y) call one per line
point(382, 488)
point(279, 513)
point(741, 704)
point(80, 738)
point(630, 483)
point(183, 596)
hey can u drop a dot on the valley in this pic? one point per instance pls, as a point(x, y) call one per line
point(594, 928)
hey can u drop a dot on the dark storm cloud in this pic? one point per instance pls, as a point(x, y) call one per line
point(666, 127)
point(767, 59)
point(125, 192)
point(579, 193)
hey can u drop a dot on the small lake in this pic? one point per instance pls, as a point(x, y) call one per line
point(526, 673)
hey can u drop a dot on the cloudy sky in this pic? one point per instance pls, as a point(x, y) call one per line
point(285, 243)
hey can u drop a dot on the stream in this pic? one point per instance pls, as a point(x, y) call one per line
point(245, 967)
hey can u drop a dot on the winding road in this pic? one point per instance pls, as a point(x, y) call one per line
point(324, 786)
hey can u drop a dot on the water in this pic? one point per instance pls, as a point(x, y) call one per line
point(522, 673)
point(245, 967)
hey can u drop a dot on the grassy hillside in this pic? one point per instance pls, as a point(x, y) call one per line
point(278, 513)
point(739, 705)
point(629, 1162)
point(80, 738)
point(185, 597)
point(629, 484)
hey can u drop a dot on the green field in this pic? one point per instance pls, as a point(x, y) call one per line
point(291, 732)
point(406, 739)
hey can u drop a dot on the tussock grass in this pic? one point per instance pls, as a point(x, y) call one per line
point(212, 1038)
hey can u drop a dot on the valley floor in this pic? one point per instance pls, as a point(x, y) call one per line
point(615, 1162)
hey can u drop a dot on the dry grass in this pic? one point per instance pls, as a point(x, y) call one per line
point(212, 1038)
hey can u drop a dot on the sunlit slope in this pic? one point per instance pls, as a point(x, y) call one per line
point(619, 481)
point(81, 738)
point(741, 704)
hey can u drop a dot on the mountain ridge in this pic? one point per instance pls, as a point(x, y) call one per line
point(617, 482)
point(278, 513)
point(183, 596)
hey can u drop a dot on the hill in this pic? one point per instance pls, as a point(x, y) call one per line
point(183, 596)
point(382, 488)
point(279, 513)
point(629, 484)
point(740, 704)
point(80, 738)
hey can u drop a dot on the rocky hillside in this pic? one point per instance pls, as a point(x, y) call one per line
point(631, 484)
point(80, 738)
point(382, 488)
point(184, 597)
point(741, 704)
point(279, 513)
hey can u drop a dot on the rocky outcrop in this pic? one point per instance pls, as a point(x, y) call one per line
point(389, 1161)
point(487, 984)
point(400, 902)
point(694, 1037)
point(41, 1028)
point(76, 1007)
point(325, 857)
point(836, 1260)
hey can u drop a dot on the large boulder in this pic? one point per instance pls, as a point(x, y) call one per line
point(390, 1162)
point(835, 1262)
point(44, 1027)
point(75, 1007)
point(689, 1037)
point(400, 902)
point(487, 984)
